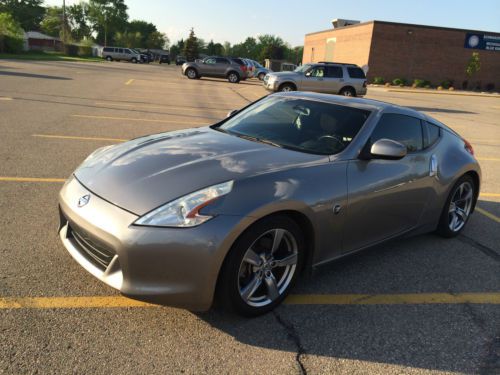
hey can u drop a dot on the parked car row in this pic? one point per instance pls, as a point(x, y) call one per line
point(234, 69)
point(133, 55)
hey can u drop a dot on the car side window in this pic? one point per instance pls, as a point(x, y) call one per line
point(221, 60)
point(401, 128)
point(127, 51)
point(120, 50)
point(210, 61)
point(356, 73)
point(432, 135)
point(334, 72)
point(318, 72)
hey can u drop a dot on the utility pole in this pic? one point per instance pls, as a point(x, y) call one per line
point(64, 23)
point(105, 30)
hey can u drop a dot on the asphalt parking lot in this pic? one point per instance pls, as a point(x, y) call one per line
point(418, 305)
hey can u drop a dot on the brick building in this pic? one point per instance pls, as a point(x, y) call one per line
point(396, 50)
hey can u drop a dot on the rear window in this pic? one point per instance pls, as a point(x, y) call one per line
point(298, 124)
point(108, 49)
point(356, 73)
point(433, 133)
point(239, 61)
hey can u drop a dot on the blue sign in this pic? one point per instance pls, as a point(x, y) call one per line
point(482, 41)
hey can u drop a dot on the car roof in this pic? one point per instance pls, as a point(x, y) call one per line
point(361, 103)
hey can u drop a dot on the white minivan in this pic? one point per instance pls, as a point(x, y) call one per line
point(120, 53)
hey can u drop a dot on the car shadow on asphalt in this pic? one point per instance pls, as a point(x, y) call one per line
point(444, 337)
point(32, 75)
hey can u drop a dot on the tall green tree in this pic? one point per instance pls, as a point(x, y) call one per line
point(79, 24)
point(28, 13)
point(157, 40)
point(11, 34)
point(52, 23)
point(107, 17)
point(474, 65)
point(191, 47)
point(177, 49)
point(143, 27)
point(128, 39)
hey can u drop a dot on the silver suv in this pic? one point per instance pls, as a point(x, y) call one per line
point(327, 77)
point(214, 66)
point(120, 53)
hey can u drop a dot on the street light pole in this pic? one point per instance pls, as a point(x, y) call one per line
point(64, 22)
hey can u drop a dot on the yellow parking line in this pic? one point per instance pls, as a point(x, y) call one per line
point(393, 299)
point(297, 299)
point(31, 179)
point(141, 119)
point(5, 98)
point(148, 106)
point(489, 195)
point(79, 138)
point(488, 159)
point(488, 214)
point(129, 82)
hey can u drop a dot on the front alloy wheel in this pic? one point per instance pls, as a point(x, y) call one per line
point(261, 267)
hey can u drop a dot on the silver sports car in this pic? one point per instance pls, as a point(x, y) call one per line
point(237, 210)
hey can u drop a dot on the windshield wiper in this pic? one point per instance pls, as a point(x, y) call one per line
point(257, 139)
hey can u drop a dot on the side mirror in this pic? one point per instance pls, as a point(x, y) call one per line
point(388, 149)
point(230, 113)
point(308, 74)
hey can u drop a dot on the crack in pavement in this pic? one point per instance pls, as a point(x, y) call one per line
point(484, 249)
point(295, 338)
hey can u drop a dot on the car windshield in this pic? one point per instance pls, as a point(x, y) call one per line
point(299, 124)
point(303, 68)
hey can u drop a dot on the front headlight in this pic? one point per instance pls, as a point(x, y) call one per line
point(184, 211)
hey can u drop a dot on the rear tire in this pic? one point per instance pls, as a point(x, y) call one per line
point(458, 208)
point(261, 76)
point(347, 91)
point(191, 73)
point(134, 60)
point(261, 267)
point(233, 77)
point(109, 58)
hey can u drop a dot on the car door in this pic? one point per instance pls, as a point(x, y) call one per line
point(387, 197)
point(121, 54)
point(221, 65)
point(208, 66)
point(313, 79)
point(333, 80)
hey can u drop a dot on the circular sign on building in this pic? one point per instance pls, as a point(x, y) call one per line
point(473, 41)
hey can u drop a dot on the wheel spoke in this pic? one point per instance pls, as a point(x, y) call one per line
point(278, 236)
point(272, 287)
point(461, 214)
point(453, 223)
point(287, 261)
point(250, 289)
point(252, 258)
point(468, 196)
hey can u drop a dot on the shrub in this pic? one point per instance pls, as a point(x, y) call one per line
point(420, 83)
point(387, 84)
point(440, 88)
point(490, 86)
point(12, 44)
point(11, 34)
point(399, 82)
point(447, 83)
point(71, 49)
point(451, 88)
point(378, 81)
point(84, 51)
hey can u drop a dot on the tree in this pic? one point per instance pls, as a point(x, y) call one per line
point(11, 34)
point(107, 17)
point(474, 65)
point(214, 49)
point(227, 48)
point(77, 18)
point(52, 23)
point(272, 47)
point(177, 48)
point(143, 27)
point(157, 40)
point(128, 39)
point(28, 13)
point(191, 47)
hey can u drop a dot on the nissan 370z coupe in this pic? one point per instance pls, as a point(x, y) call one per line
point(235, 211)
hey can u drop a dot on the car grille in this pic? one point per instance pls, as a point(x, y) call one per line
point(98, 254)
point(266, 78)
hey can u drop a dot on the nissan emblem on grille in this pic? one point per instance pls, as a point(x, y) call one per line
point(83, 200)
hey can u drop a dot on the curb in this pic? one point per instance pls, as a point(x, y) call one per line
point(435, 92)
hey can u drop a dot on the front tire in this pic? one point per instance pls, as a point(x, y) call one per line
point(134, 60)
point(261, 76)
point(191, 73)
point(261, 267)
point(287, 87)
point(109, 58)
point(458, 207)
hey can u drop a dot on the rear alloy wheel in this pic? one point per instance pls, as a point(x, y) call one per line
point(261, 76)
point(134, 60)
point(287, 87)
point(347, 91)
point(191, 73)
point(458, 208)
point(233, 77)
point(261, 267)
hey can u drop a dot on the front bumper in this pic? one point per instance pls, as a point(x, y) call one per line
point(172, 266)
point(271, 85)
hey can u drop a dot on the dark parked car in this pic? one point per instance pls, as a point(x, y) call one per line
point(238, 209)
point(164, 59)
point(216, 66)
point(179, 60)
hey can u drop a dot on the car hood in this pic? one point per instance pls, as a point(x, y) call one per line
point(144, 173)
point(285, 74)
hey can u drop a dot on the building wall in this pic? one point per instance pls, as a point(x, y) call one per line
point(434, 54)
point(352, 45)
point(394, 50)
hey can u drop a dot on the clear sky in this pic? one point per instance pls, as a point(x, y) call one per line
point(234, 20)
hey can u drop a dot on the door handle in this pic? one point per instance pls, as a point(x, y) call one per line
point(433, 166)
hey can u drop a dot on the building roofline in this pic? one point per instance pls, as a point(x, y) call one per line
point(404, 24)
